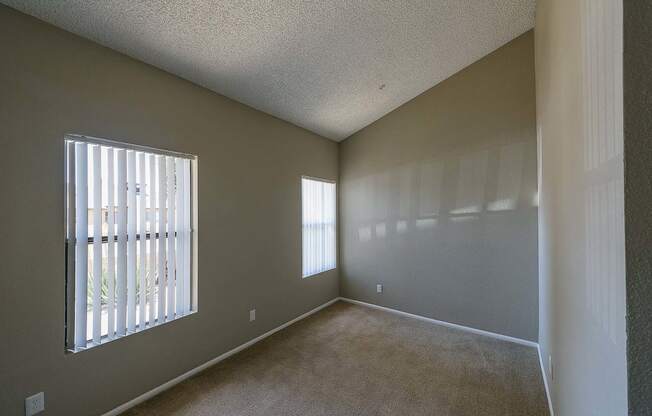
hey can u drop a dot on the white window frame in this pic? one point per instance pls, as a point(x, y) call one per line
point(335, 226)
point(70, 238)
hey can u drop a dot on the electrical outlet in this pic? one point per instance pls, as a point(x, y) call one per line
point(252, 315)
point(379, 288)
point(551, 368)
point(34, 404)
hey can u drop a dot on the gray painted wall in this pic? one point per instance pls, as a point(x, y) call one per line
point(638, 201)
point(250, 164)
point(438, 200)
point(581, 235)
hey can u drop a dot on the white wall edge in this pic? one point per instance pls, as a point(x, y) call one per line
point(545, 382)
point(165, 386)
point(447, 324)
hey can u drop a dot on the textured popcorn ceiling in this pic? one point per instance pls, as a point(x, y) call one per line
point(332, 67)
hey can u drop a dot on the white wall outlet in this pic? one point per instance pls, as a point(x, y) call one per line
point(379, 288)
point(252, 315)
point(35, 404)
point(551, 368)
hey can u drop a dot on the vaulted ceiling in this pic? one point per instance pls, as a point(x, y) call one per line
point(332, 67)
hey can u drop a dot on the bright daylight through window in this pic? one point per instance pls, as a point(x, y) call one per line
point(129, 239)
point(318, 220)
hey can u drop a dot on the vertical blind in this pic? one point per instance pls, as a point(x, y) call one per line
point(318, 223)
point(128, 238)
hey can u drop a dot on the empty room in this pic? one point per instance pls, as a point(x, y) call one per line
point(337, 207)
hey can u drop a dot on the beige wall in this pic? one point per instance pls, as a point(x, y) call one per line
point(582, 273)
point(53, 83)
point(438, 200)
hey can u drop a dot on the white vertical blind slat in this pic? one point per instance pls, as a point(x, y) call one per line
point(322, 225)
point(306, 235)
point(310, 230)
point(319, 200)
point(188, 236)
point(97, 244)
point(306, 228)
point(131, 240)
point(313, 231)
point(121, 278)
point(326, 228)
point(316, 226)
point(71, 246)
point(333, 225)
point(181, 238)
point(303, 228)
point(171, 237)
point(325, 250)
point(162, 196)
point(304, 238)
point(151, 283)
point(110, 265)
point(142, 244)
point(81, 243)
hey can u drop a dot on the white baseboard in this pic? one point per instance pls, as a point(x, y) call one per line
point(545, 382)
point(145, 396)
point(447, 324)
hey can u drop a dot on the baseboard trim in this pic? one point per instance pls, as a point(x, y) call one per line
point(148, 395)
point(545, 382)
point(447, 324)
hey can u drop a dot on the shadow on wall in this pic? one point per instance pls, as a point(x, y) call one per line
point(435, 194)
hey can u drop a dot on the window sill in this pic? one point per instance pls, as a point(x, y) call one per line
point(318, 273)
point(105, 338)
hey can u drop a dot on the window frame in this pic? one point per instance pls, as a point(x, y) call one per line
point(335, 224)
point(70, 240)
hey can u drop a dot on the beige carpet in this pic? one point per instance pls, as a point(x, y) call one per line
point(354, 360)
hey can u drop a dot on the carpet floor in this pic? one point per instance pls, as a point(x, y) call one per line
point(354, 360)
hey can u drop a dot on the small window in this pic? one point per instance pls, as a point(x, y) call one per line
point(129, 239)
point(318, 220)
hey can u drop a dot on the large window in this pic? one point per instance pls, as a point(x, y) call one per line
point(129, 239)
point(318, 219)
